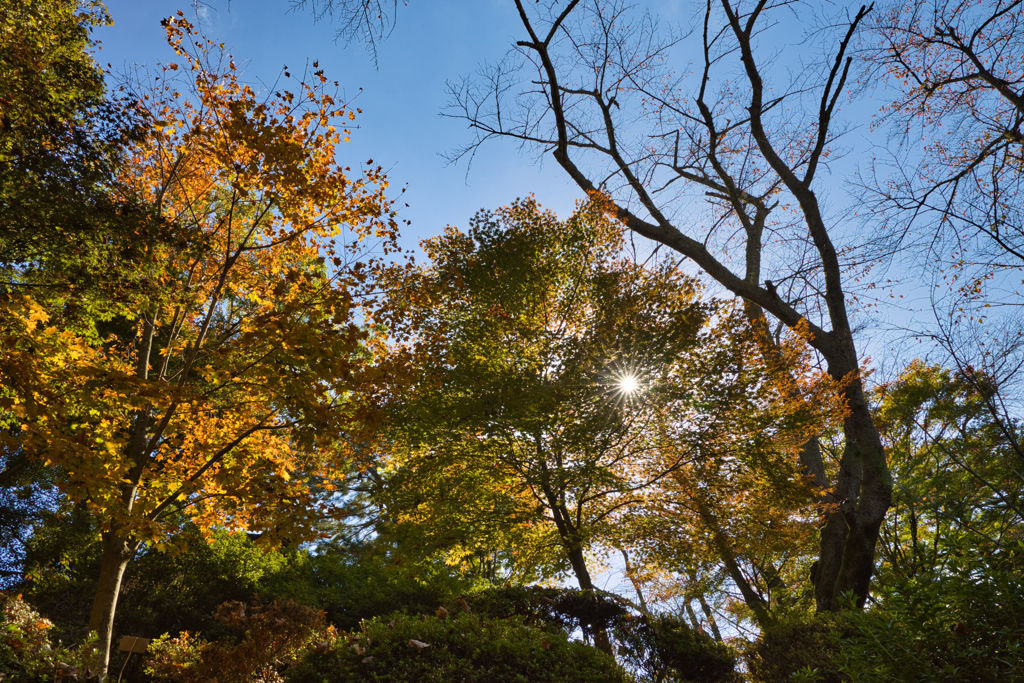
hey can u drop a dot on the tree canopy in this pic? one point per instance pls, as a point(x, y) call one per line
point(234, 409)
point(517, 416)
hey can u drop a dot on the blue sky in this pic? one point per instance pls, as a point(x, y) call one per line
point(401, 128)
point(403, 95)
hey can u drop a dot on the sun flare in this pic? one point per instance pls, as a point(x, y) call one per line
point(628, 384)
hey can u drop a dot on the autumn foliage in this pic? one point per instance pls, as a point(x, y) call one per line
point(222, 379)
point(219, 385)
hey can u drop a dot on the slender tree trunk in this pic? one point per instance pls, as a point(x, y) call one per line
point(693, 616)
point(579, 567)
point(117, 553)
point(631, 575)
point(704, 606)
point(118, 548)
point(569, 535)
point(712, 624)
point(725, 553)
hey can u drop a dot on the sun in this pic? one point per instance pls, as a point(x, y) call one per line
point(628, 384)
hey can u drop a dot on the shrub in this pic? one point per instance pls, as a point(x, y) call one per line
point(26, 654)
point(796, 650)
point(460, 647)
point(352, 585)
point(959, 627)
point(663, 648)
point(268, 641)
point(660, 648)
point(564, 608)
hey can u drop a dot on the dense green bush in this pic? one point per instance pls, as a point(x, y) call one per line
point(796, 650)
point(565, 608)
point(459, 647)
point(959, 627)
point(963, 626)
point(351, 585)
point(169, 592)
point(658, 648)
point(664, 648)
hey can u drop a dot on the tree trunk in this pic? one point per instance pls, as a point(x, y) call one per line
point(579, 564)
point(574, 550)
point(863, 493)
point(117, 553)
point(694, 621)
point(579, 568)
point(704, 606)
point(712, 624)
point(723, 545)
point(641, 601)
point(569, 535)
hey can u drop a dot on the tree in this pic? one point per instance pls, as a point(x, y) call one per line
point(222, 387)
point(518, 345)
point(959, 474)
point(735, 510)
point(516, 428)
point(60, 140)
point(603, 98)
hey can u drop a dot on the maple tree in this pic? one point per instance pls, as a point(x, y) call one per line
point(218, 389)
point(735, 507)
point(515, 430)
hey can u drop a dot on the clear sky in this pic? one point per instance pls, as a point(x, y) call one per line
point(402, 98)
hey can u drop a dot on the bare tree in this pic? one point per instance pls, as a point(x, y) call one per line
point(722, 167)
